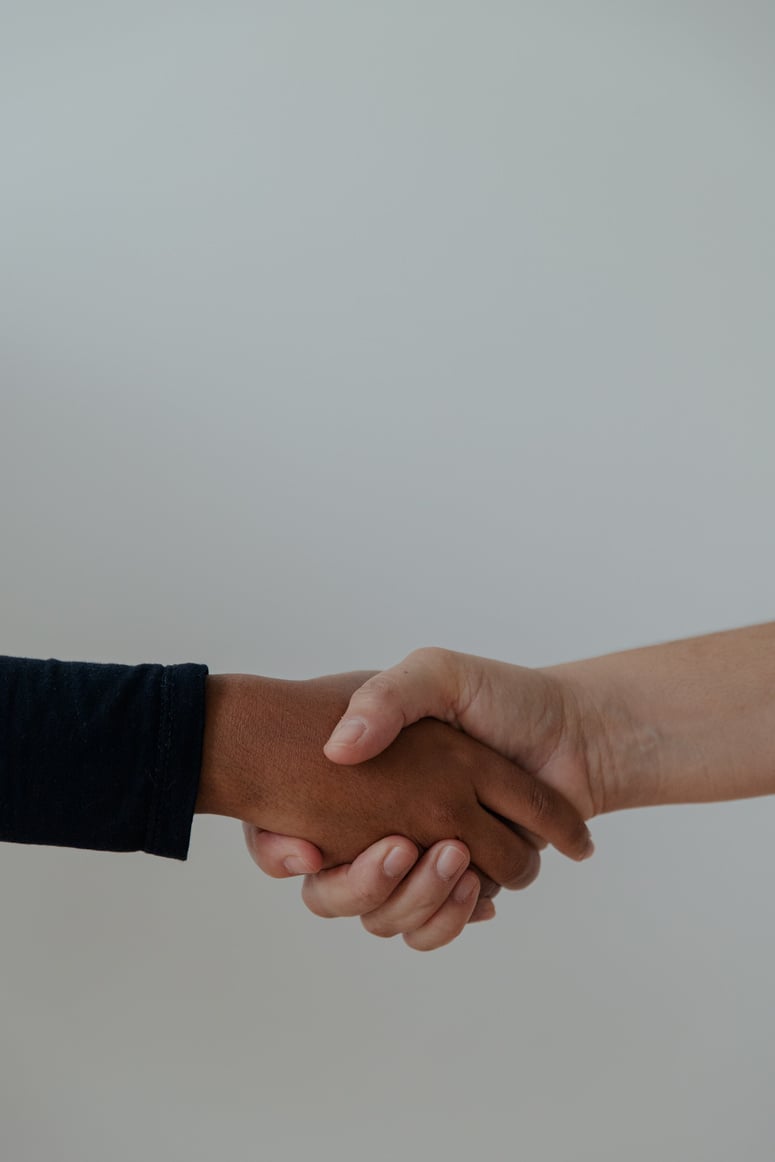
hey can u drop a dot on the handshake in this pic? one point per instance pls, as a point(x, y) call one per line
point(421, 790)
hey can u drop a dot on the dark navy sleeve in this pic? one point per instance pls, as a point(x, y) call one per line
point(100, 756)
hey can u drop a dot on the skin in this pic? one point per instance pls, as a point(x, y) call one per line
point(263, 762)
point(683, 722)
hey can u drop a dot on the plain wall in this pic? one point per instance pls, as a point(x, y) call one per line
point(332, 330)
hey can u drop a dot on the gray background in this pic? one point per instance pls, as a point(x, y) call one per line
point(328, 331)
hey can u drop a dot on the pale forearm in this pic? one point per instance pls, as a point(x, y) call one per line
point(687, 721)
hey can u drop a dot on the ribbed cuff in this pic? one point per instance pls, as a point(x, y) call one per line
point(178, 760)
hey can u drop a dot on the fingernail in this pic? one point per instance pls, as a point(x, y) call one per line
point(397, 861)
point(348, 731)
point(465, 889)
point(450, 862)
point(296, 866)
point(589, 850)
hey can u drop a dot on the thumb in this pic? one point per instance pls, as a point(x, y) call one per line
point(281, 856)
point(425, 685)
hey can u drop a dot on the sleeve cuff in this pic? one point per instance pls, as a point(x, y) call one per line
point(178, 760)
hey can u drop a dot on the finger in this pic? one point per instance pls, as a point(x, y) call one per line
point(484, 910)
point(534, 806)
point(281, 856)
point(425, 685)
point(451, 918)
point(365, 884)
point(488, 888)
point(504, 856)
point(422, 893)
point(529, 836)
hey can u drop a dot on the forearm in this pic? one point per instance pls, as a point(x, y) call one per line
point(687, 721)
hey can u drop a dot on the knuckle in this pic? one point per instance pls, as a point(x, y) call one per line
point(433, 936)
point(525, 870)
point(314, 903)
point(424, 906)
point(382, 688)
point(367, 897)
point(377, 925)
point(429, 655)
point(422, 943)
point(439, 662)
point(541, 804)
point(408, 917)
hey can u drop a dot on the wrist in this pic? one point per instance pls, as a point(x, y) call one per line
point(619, 743)
point(233, 749)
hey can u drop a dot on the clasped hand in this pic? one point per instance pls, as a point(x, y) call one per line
point(502, 759)
point(413, 792)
